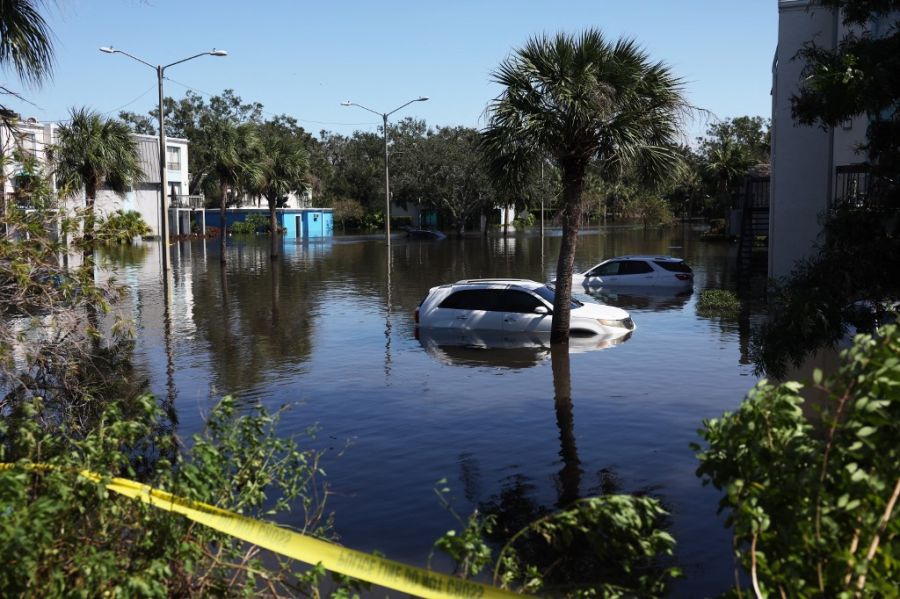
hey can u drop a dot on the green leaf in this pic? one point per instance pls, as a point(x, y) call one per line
point(865, 431)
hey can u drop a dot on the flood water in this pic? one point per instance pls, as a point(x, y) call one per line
point(330, 327)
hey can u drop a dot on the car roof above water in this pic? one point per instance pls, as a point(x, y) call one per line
point(526, 283)
point(646, 257)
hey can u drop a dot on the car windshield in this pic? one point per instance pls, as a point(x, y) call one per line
point(548, 294)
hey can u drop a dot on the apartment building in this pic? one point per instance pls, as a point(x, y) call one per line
point(35, 138)
point(812, 167)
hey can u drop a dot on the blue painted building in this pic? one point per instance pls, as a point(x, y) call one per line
point(298, 223)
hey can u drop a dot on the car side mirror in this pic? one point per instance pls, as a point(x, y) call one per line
point(541, 310)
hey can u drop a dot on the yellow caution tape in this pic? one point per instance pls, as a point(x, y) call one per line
point(376, 570)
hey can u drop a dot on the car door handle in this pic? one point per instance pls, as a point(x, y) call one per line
point(462, 318)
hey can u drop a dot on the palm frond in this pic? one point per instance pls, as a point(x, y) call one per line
point(25, 40)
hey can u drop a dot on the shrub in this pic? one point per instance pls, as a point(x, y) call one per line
point(347, 212)
point(811, 497)
point(524, 223)
point(64, 535)
point(254, 223)
point(718, 302)
point(817, 304)
point(607, 546)
point(121, 227)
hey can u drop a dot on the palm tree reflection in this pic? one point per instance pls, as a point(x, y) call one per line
point(572, 560)
point(569, 477)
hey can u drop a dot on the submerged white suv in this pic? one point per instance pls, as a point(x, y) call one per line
point(512, 306)
point(638, 271)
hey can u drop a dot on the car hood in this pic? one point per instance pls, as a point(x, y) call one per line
point(591, 310)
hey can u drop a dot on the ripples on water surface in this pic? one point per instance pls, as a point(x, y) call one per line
point(322, 327)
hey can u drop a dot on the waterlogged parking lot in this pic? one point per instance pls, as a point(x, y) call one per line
point(330, 328)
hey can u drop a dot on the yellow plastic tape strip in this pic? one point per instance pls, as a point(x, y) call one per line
point(376, 570)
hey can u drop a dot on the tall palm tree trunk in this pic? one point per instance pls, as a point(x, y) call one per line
point(573, 184)
point(90, 219)
point(273, 231)
point(224, 230)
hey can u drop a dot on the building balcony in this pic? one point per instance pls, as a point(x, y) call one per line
point(187, 201)
point(857, 187)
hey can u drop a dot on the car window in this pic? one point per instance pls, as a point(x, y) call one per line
point(548, 294)
point(634, 267)
point(473, 299)
point(606, 269)
point(673, 266)
point(512, 300)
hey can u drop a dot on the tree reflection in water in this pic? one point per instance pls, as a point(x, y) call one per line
point(574, 558)
point(569, 477)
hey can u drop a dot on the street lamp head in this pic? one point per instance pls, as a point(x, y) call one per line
point(422, 99)
point(218, 52)
point(108, 49)
point(346, 103)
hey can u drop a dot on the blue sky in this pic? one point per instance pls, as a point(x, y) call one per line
point(303, 58)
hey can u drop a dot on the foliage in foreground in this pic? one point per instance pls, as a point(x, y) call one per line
point(812, 497)
point(606, 546)
point(70, 398)
point(64, 535)
point(823, 296)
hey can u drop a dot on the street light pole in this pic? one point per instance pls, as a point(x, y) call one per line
point(163, 177)
point(387, 179)
point(387, 189)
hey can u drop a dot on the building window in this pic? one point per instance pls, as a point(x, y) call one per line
point(173, 158)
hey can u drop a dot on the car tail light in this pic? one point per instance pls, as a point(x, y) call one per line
point(680, 276)
point(417, 316)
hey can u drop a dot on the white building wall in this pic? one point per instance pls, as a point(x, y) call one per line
point(143, 197)
point(803, 157)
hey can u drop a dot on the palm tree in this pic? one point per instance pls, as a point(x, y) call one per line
point(727, 161)
point(583, 102)
point(94, 152)
point(25, 40)
point(232, 153)
point(283, 170)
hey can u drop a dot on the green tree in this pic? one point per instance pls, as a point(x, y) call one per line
point(584, 101)
point(687, 190)
point(357, 168)
point(445, 169)
point(347, 210)
point(858, 77)
point(94, 152)
point(194, 118)
point(232, 155)
point(139, 123)
point(726, 163)
point(752, 134)
point(283, 165)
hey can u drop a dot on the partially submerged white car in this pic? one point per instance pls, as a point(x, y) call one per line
point(637, 271)
point(512, 306)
